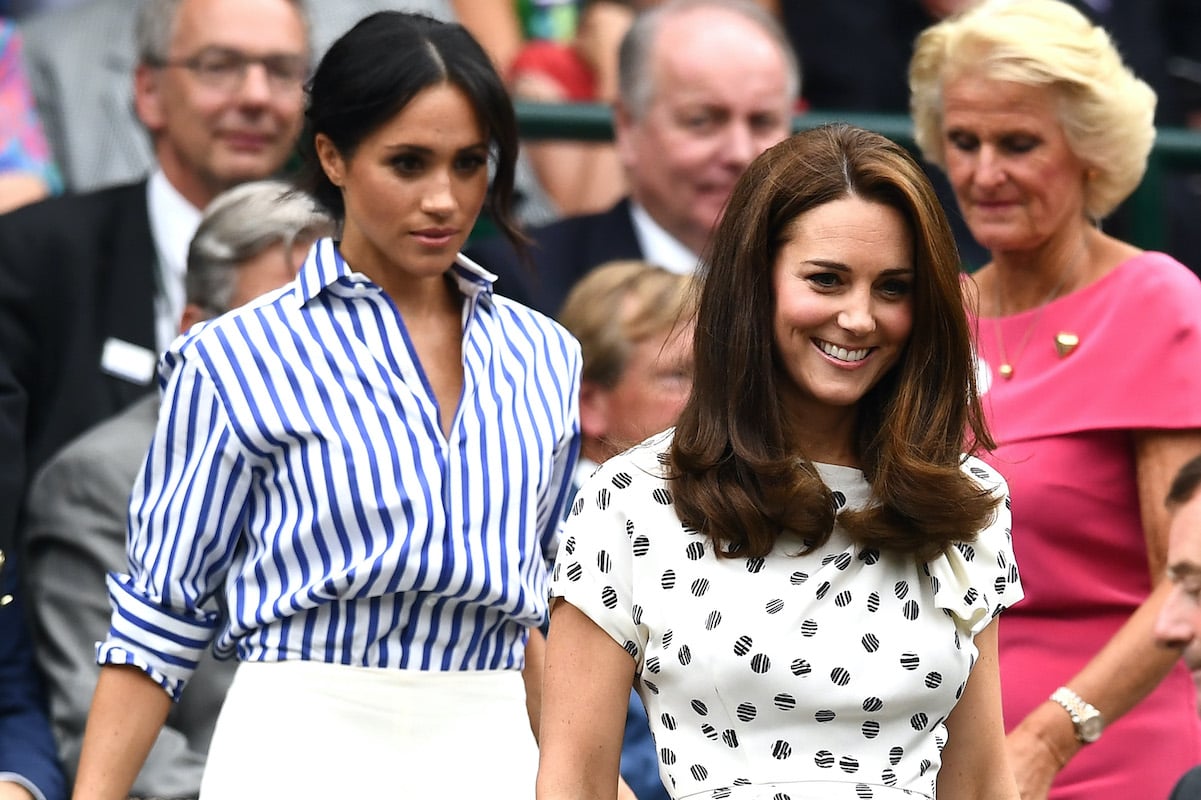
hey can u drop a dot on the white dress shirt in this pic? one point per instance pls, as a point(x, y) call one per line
point(173, 223)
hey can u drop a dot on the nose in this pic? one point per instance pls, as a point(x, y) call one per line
point(439, 199)
point(740, 146)
point(256, 86)
point(1174, 625)
point(990, 168)
point(857, 316)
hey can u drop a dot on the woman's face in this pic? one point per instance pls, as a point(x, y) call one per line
point(413, 188)
point(843, 288)
point(1017, 181)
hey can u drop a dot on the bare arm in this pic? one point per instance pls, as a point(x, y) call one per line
point(1130, 665)
point(535, 657)
point(495, 26)
point(586, 689)
point(128, 710)
point(14, 791)
point(974, 762)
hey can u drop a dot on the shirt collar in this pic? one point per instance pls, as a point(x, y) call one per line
point(325, 267)
point(659, 246)
point(173, 222)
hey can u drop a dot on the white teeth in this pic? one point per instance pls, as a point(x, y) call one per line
point(841, 353)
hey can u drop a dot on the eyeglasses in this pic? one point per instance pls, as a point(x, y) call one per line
point(226, 69)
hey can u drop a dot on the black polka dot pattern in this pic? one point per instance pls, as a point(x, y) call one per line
point(826, 675)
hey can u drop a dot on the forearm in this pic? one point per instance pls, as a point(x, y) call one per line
point(535, 656)
point(128, 710)
point(1114, 680)
point(974, 761)
point(586, 688)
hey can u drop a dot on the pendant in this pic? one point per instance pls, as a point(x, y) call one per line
point(1065, 343)
point(1006, 371)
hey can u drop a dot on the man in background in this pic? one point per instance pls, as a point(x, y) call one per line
point(1179, 623)
point(92, 285)
point(705, 86)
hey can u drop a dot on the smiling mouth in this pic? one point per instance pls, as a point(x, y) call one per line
point(841, 353)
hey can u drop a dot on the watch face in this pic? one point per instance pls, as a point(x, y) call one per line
point(1090, 729)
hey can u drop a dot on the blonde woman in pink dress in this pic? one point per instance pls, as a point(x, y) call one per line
point(1090, 365)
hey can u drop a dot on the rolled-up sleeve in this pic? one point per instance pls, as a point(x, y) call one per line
point(185, 516)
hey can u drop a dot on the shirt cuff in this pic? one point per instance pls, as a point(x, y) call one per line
point(21, 780)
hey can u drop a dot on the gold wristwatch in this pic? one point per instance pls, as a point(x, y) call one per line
point(1085, 716)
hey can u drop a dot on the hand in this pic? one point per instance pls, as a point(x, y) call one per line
point(15, 791)
point(1033, 761)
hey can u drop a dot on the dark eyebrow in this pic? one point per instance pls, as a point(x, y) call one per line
point(1183, 569)
point(406, 147)
point(838, 266)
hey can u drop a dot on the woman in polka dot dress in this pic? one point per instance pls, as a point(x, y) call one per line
point(801, 579)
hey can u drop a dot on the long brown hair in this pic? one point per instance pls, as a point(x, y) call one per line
point(738, 477)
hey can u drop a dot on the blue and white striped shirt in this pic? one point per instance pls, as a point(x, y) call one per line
point(299, 474)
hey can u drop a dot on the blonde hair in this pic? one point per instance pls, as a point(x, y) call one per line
point(618, 304)
point(1106, 112)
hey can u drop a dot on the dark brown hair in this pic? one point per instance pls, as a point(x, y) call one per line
point(375, 69)
point(737, 475)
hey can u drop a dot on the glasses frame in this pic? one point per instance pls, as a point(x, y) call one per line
point(285, 72)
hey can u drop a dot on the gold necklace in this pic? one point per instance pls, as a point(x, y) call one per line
point(1006, 368)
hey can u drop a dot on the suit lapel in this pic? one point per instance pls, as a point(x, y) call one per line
point(131, 285)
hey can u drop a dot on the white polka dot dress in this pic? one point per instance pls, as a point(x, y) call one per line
point(820, 677)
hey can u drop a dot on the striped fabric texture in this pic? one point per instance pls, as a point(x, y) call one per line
point(299, 473)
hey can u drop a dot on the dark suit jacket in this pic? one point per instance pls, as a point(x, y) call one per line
point(561, 253)
point(26, 746)
point(74, 272)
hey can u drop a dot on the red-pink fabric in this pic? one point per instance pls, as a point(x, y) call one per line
point(1063, 426)
point(561, 63)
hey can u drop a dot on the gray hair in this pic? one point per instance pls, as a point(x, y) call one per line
point(635, 78)
point(155, 28)
point(239, 224)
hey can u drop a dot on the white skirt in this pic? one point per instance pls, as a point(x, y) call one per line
point(303, 729)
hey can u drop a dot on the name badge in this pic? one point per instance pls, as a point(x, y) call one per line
point(129, 362)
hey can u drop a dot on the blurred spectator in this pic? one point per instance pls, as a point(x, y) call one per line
point(79, 60)
point(631, 320)
point(28, 768)
point(579, 177)
point(251, 240)
point(687, 125)
point(1178, 626)
point(26, 172)
point(91, 285)
point(1043, 130)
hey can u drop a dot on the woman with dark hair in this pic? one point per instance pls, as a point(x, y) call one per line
point(801, 579)
point(366, 468)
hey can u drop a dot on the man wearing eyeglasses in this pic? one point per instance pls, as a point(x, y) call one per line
point(91, 285)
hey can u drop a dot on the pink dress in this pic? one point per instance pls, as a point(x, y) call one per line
point(1063, 427)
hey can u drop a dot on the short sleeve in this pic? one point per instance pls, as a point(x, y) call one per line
point(594, 569)
point(975, 581)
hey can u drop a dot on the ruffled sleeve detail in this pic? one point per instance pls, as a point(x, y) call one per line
point(976, 581)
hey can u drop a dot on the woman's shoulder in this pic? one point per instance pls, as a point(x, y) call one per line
point(647, 461)
point(1153, 272)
